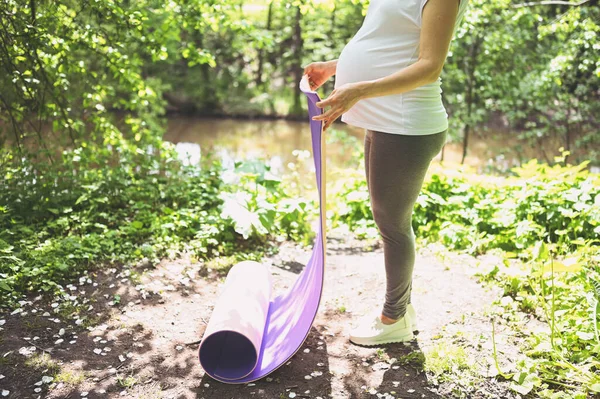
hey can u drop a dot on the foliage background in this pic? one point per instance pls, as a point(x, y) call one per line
point(532, 68)
point(86, 179)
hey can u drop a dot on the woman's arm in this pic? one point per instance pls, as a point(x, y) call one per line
point(439, 18)
point(319, 72)
point(333, 65)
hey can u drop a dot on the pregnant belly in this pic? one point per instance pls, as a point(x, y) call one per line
point(359, 62)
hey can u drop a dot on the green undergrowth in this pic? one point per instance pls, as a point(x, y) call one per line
point(543, 222)
point(117, 205)
point(563, 292)
point(475, 213)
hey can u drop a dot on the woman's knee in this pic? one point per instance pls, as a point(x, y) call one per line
point(391, 219)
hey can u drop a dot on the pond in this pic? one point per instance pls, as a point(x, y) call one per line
point(284, 144)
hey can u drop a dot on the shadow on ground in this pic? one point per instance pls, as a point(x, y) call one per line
point(135, 334)
point(403, 374)
point(136, 342)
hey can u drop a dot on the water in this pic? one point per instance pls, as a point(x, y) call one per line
point(284, 145)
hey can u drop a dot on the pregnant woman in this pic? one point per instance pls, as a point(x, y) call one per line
point(387, 82)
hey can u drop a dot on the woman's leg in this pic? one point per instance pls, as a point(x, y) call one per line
point(396, 166)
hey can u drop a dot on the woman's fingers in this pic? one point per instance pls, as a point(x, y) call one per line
point(310, 74)
point(322, 117)
point(328, 101)
point(332, 114)
point(328, 117)
point(330, 121)
point(324, 103)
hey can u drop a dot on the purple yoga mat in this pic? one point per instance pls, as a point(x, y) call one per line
point(250, 335)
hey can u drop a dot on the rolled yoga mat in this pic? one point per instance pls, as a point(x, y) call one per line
point(250, 335)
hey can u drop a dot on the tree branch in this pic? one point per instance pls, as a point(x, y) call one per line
point(13, 121)
point(550, 3)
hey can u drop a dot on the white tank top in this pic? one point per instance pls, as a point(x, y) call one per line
point(388, 41)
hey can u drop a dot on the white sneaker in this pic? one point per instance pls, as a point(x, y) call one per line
point(371, 331)
point(413, 316)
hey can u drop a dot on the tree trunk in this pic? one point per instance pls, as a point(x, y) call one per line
point(465, 143)
point(297, 68)
point(261, 52)
point(470, 95)
point(211, 102)
point(33, 11)
point(568, 132)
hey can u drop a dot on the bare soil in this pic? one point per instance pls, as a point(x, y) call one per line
point(145, 344)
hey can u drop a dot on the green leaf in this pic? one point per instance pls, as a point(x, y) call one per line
point(585, 336)
point(524, 383)
point(540, 251)
point(571, 264)
point(5, 286)
point(136, 224)
point(81, 199)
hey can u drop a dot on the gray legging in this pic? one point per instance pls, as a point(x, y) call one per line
point(395, 166)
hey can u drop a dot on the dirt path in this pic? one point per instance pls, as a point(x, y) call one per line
point(140, 326)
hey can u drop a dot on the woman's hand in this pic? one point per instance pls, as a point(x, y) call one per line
point(319, 72)
point(340, 100)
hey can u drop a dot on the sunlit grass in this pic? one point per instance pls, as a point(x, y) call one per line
point(43, 362)
point(446, 358)
point(70, 377)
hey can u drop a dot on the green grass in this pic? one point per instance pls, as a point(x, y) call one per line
point(41, 362)
point(126, 382)
point(222, 264)
point(445, 358)
point(70, 377)
point(415, 359)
